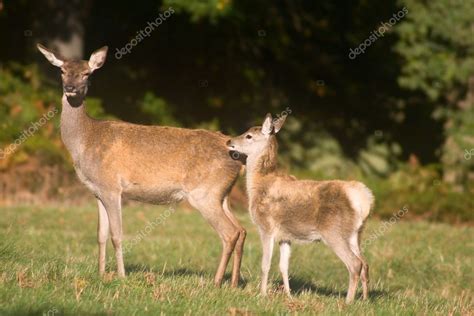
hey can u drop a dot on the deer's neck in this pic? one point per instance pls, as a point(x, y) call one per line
point(261, 166)
point(75, 124)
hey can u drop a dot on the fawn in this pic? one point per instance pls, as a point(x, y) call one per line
point(152, 164)
point(286, 209)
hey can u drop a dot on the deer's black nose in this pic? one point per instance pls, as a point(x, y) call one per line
point(69, 88)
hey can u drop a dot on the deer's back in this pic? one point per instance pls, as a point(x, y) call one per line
point(156, 161)
point(306, 210)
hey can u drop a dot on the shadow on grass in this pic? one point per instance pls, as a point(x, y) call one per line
point(299, 286)
point(38, 312)
point(137, 268)
point(228, 278)
point(180, 272)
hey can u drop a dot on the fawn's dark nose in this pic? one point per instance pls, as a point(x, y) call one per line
point(69, 88)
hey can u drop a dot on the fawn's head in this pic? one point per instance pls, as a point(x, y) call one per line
point(75, 73)
point(257, 138)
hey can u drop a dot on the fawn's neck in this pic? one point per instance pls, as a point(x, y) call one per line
point(260, 166)
point(74, 124)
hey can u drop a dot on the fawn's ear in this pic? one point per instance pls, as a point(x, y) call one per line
point(53, 58)
point(267, 125)
point(97, 59)
point(278, 124)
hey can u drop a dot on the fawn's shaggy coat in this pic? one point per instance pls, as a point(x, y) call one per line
point(286, 209)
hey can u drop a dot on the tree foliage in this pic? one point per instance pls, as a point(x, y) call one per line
point(437, 45)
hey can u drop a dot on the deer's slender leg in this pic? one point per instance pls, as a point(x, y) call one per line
point(239, 246)
point(228, 244)
point(102, 235)
point(364, 275)
point(214, 213)
point(285, 251)
point(113, 207)
point(267, 252)
point(354, 265)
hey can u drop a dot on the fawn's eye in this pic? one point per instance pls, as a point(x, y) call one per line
point(248, 136)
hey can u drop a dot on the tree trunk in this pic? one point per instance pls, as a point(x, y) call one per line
point(61, 25)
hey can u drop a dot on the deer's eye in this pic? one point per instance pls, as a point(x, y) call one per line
point(248, 136)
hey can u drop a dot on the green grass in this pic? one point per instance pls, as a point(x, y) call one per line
point(48, 267)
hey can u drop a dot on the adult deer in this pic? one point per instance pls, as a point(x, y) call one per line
point(154, 164)
point(289, 210)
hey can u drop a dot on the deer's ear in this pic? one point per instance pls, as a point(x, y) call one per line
point(278, 124)
point(97, 59)
point(53, 58)
point(267, 125)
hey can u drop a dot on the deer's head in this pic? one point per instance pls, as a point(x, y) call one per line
point(256, 139)
point(75, 73)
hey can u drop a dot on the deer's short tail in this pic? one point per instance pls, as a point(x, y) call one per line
point(361, 198)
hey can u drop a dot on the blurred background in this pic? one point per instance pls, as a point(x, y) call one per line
point(393, 109)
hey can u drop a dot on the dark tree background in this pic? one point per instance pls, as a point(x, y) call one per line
point(223, 64)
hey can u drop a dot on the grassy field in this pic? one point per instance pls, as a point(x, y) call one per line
point(48, 267)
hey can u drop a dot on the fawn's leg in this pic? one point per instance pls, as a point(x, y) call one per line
point(102, 235)
point(112, 203)
point(285, 251)
point(267, 251)
point(239, 246)
point(354, 265)
point(364, 275)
